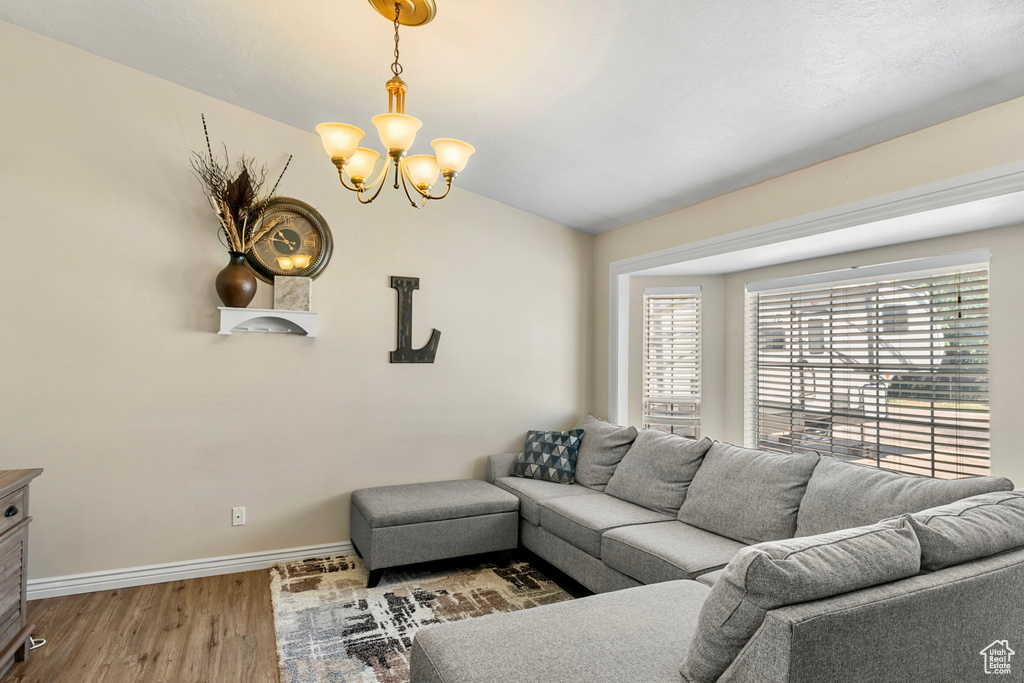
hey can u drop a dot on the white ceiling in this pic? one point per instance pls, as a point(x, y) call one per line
point(594, 115)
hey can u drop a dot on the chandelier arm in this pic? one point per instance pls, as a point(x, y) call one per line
point(446, 190)
point(344, 184)
point(359, 196)
point(380, 178)
point(406, 176)
point(425, 195)
point(339, 163)
point(405, 188)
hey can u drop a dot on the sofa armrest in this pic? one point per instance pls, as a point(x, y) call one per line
point(500, 465)
point(929, 627)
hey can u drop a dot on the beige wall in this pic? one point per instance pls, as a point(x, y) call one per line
point(151, 427)
point(982, 140)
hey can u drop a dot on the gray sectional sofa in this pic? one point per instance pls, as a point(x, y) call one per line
point(719, 563)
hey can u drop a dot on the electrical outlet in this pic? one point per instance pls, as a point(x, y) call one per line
point(238, 516)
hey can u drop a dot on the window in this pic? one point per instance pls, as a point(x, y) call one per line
point(671, 360)
point(886, 365)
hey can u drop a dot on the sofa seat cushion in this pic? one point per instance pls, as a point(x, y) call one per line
point(666, 551)
point(534, 492)
point(603, 446)
point(588, 570)
point(841, 495)
point(970, 529)
point(710, 578)
point(637, 634)
point(771, 575)
point(582, 520)
point(748, 495)
point(657, 470)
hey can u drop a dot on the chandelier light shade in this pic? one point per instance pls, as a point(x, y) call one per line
point(361, 166)
point(452, 154)
point(340, 139)
point(397, 131)
point(423, 170)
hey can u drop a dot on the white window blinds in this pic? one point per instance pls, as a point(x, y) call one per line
point(890, 371)
point(671, 360)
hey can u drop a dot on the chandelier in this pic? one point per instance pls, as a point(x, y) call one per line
point(397, 132)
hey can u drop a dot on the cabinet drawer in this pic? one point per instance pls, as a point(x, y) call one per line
point(12, 509)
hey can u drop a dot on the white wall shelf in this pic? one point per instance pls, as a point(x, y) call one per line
point(267, 320)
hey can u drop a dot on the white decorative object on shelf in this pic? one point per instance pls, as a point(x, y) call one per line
point(267, 320)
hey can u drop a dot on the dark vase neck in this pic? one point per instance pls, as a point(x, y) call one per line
point(236, 258)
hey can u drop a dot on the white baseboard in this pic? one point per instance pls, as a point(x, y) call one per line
point(175, 571)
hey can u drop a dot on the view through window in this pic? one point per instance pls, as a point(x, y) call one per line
point(671, 360)
point(889, 370)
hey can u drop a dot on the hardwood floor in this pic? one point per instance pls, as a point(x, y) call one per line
point(218, 629)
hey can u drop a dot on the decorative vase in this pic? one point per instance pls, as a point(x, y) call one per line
point(236, 284)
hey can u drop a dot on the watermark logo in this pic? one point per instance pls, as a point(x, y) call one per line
point(997, 657)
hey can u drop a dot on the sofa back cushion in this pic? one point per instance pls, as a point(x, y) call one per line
point(603, 446)
point(747, 495)
point(842, 495)
point(657, 471)
point(970, 529)
point(771, 575)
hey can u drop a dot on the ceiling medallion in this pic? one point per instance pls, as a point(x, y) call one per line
point(397, 131)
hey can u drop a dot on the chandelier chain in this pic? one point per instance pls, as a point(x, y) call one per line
point(396, 68)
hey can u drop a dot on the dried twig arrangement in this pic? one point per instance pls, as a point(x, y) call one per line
point(236, 200)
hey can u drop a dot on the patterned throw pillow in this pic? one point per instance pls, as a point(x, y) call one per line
point(550, 456)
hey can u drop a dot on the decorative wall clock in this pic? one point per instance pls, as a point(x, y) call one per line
point(300, 245)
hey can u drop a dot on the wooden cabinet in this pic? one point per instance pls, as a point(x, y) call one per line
point(14, 520)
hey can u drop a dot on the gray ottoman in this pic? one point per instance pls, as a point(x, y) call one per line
point(396, 525)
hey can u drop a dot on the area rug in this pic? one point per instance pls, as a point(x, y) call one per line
point(330, 627)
